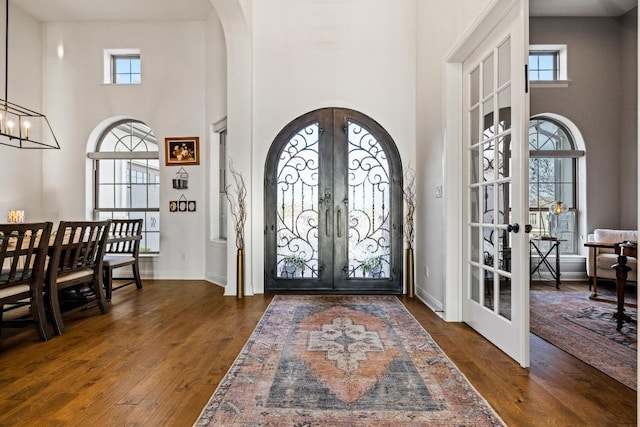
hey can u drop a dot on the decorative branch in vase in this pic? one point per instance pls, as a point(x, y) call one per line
point(409, 194)
point(237, 196)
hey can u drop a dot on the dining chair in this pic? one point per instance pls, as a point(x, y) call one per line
point(74, 275)
point(123, 249)
point(23, 252)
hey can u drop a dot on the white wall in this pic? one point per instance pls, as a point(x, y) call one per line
point(384, 58)
point(20, 173)
point(441, 25)
point(171, 100)
point(216, 107)
point(358, 54)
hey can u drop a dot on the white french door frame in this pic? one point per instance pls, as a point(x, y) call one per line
point(455, 185)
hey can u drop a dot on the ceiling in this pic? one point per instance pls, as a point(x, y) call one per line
point(168, 10)
point(580, 7)
point(115, 10)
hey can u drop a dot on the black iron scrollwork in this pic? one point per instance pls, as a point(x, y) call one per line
point(368, 205)
point(298, 209)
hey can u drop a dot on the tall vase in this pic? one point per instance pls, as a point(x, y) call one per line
point(240, 273)
point(409, 271)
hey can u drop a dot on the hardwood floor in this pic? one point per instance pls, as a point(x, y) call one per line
point(156, 358)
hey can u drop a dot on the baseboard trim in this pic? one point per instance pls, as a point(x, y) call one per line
point(574, 276)
point(430, 301)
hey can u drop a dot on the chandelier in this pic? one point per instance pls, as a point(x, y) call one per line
point(21, 127)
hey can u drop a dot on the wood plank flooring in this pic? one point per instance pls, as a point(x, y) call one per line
point(157, 356)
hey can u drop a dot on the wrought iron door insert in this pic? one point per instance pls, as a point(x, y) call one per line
point(333, 193)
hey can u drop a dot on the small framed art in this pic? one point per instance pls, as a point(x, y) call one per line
point(182, 151)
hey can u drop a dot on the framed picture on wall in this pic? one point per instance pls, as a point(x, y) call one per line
point(182, 151)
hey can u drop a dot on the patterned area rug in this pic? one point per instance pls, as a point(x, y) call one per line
point(586, 329)
point(343, 361)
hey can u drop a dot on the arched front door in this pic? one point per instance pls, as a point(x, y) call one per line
point(333, 200)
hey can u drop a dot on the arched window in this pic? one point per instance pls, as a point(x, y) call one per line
point(553, 178)
point(127, 178)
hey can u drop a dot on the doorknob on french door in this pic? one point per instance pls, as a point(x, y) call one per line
point(513, 228)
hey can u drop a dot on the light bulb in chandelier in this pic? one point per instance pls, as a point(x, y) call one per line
point(22, 127)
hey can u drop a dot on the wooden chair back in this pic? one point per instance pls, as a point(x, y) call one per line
point(23, 252)
point(124, 237)
point(77, 257)
point(79, 245)
point(123, 249)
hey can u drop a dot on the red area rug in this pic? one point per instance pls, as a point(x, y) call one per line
point(586, 329)
point(343, 361)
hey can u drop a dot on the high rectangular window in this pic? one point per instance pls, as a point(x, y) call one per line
point(543, 66)
point(125, 69)
point(122, 67)
point(548, 65)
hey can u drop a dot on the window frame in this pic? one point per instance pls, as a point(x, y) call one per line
point(561, 74)
point(117, 212)
point(543, 53)
point(557, 155)
point(109, 65)
point(115, 73)
point(220, 128)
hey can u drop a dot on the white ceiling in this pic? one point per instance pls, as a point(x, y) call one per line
point(114, 10)
point(580, 7)
point(166, 10)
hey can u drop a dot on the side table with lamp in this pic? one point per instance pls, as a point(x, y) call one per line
point(555, 209)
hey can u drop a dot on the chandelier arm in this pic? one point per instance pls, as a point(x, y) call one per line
point(6, 53)
point(21, 137)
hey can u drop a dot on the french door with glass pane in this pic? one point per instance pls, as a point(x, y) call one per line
point(495, 103)
point(333, 193)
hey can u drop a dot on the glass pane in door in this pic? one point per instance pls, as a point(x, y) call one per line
point(493, 145)
point(368, 194)
point(297, 206)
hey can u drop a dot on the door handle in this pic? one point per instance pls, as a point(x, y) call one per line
point(528, 228)
point(339, 222)
point(326, 222)
point(513, 228)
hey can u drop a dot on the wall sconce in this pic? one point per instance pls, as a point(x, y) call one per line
point(15, 216)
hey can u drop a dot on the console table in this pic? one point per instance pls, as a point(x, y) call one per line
point(554, 245)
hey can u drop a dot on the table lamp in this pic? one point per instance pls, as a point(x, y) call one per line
point(555, 209)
